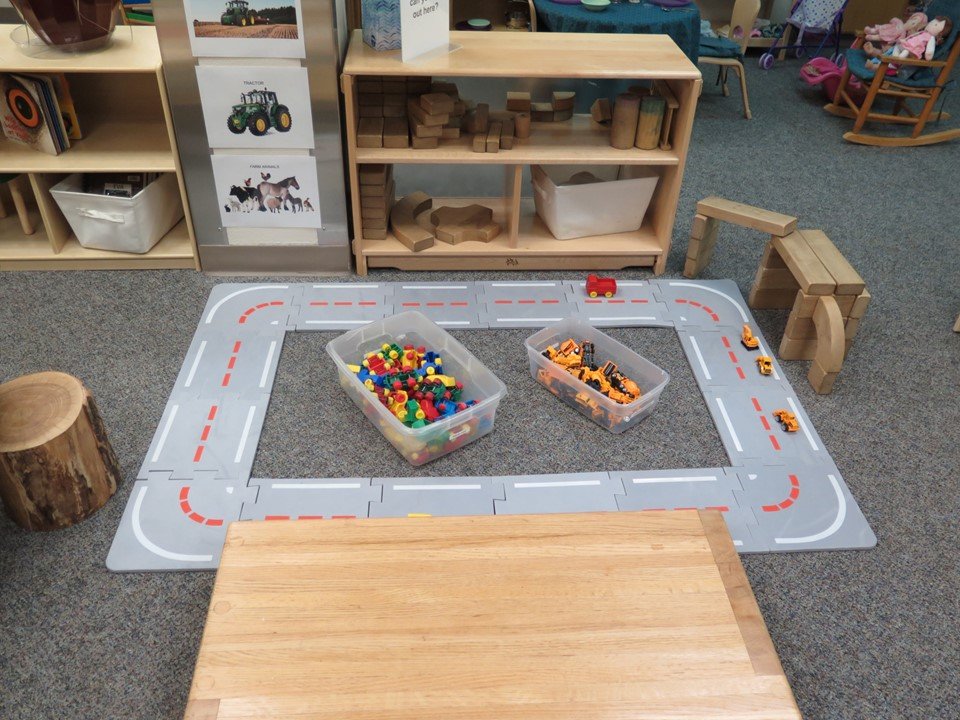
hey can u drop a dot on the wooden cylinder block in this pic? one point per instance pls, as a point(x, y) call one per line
point(56, 464)
point(650, 122)
point(626, 115)
point(522, 124)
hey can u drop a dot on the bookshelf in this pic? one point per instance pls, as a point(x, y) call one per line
point(121, 102)
point(526, 243)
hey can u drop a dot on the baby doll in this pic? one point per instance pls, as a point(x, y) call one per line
point(922, 44)
point(880, 38)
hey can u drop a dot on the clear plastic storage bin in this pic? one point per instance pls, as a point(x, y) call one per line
point(420, 445)
point(595, 405)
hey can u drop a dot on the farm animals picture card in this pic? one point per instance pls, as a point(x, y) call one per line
point(280, 191)
point(245, 28)
point(256, 107)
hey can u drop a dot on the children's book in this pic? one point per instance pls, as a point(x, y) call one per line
point(24, 116)
point(67, 109)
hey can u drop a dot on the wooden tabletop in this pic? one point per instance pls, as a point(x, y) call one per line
point(619, 616)
point(526, 55)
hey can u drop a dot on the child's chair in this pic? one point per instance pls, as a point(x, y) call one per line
point(728, 52)
point(917, 80)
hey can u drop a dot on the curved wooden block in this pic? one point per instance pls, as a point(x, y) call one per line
point(831, 345)
point(403, 220)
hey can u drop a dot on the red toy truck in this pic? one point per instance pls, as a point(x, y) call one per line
point(601, 286)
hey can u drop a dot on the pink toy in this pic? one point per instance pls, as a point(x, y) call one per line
point(880, 38)
point(821, 71)
point(918, 45)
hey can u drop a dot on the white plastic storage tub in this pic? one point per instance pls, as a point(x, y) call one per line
point(617, 204)
point(132, 225)
point(595, 405)
point(420, 445)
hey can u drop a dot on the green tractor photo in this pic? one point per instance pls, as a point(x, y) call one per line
point(257, 112)
point(238, 13)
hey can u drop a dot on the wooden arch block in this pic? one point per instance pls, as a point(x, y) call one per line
point(831, 342)
point(403, 220)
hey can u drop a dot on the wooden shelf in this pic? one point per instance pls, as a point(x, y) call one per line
point(108, 146)
point(131, 50)
point(575, 142)
point(33, 252)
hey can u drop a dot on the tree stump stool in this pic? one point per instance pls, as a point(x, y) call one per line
point(56, 465)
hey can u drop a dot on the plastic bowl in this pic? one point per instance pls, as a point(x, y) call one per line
point(595, 5)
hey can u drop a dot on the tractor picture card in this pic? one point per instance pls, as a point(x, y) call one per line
point(245, 28)
point(256, 107)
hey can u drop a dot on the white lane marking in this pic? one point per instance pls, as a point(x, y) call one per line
point(523, 285)
point(266, 365)
point(246, 432)
point(338, 286)
point(635, 317)
point(151, 546)
point(691, 478)
point(738, 543)
point(726, 419)
point(163, 435)
point(834, 526)
point(530, 319)
point(232, 295)
point(434, 287)
point(703, 364)
point(715, 292)
point(752, 476)
point(315, 486)
point(453, 322)
point(335, 322)
point(436, 487)
point(196, 363)
point(230, 490)
point(557, 483)
point(803, 425)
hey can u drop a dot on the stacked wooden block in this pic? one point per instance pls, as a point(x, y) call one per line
point(640, 118)
point(559, 108)
point(377, 194)
point(435, 115)
point(382, 107)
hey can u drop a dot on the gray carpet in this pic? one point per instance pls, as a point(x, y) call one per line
point(861, 634)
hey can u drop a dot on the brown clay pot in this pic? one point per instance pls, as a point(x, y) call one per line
point(70, 24)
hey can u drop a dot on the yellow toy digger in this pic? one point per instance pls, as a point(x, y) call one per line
point(750, 342)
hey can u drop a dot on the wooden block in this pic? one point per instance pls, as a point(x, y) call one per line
point(820, 380)
point(699, 226)
point(800, 327)
point(423, 117)
point(541, 112)
point(507, 135)
point(522, 125)
point(626, 116)
point(804, 305)
point(776, 279)
point(845, 302)
point(563, 100)
point(601, 111)
point(375, 223)
point(813, 277)
point(369, 86)
point(403, 220)
point(860, 305)
point(798, 348)
point(461, 224)
point(662, 88)
point(426, 131)
point(419, 85)
point(395, 86)
point(450, 133)
point(850, 328)
point(396, 133)
point(370, 99)
point(847, 279)
point(446, 88)
point(747, 216)
point(690, 269)
point(437, 103)
point(394, 111)
point(650, 122)
point(562, 115)
point(427, 143)
point(375, 174)
point(771, 299)
point(370, 111)
point(479, 120)
point(454, 121)
point(518, 101)
point(493, 136)
point(374, 234)
point(771, 258)
point(830, 334)
point(370, 133)
point(395, 99)
point(373, 213)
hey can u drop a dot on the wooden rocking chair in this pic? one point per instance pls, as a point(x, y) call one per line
point(923, 80)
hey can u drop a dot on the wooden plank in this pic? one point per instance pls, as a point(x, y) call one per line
point(847, 279)
point(806, 267)
point(776, 279)
point(515, 597)
point(370, 132)
point(798, 348)
point(820, 379)
point(804, 305)
point(747, 216)
point(860, 305)
point(771, 299)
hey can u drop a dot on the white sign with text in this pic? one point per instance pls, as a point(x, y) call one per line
point(424, 27)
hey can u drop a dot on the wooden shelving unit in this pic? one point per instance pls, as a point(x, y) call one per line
point(121, 102)
point(525, 242)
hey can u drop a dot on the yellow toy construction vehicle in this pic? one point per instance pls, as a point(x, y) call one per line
point(787, 420)
point(765, 364)
point(747, 338)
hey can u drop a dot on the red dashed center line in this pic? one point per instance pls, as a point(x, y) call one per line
point(756, 405)
point(230, 364)
point(410, 304)
point(250, 311)
point(198, 454)
point(726, 342)
point(733, 357)
point(693, 303)
point(319, 303)
point(765, 423)
point(367, 303)
point(190, 513)
point(791, 498)
point(773, 440)
point(434, 304)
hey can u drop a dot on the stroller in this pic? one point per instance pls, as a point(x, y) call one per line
point(821, 18)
